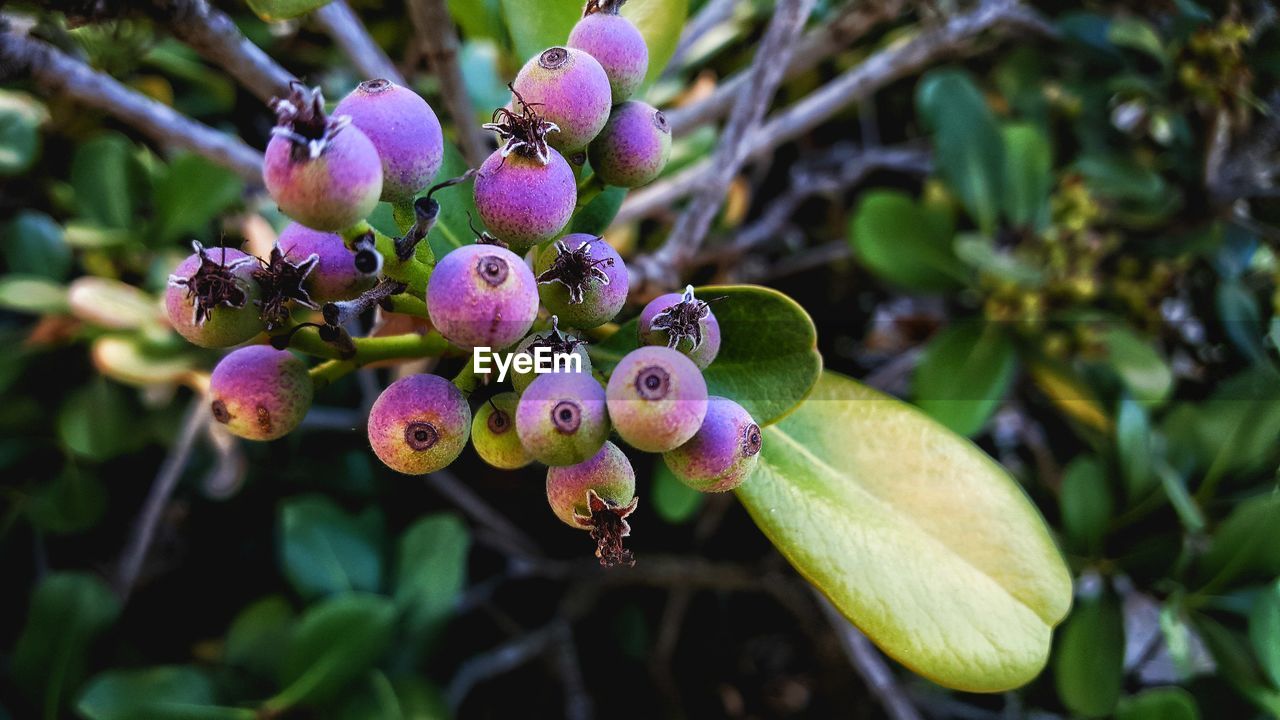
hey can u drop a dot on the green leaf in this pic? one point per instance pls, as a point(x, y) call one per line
point(1245, 545)
point(478, 18)
point(1086, 504)
point(158, 693)
point(674, 501)
point(68, 610)
point(916, 535)
point(1238, 425)
point(1137, 34)
point(98, 422)
point(273, 10)
point(431, 572)
point(964, 375)
point(967, 142)
point(1139, 365)
point(20, 118)
point(660, 22)
point(1241, 319)
point(257, 637)
point(1264, 631)
point(1134, 449)
point(405, 698)
point(72, 502)
point(452, 228)
point(34, 246)
point(112, 304)
point(192, 192)
point(1028, 175)
point(596, 216)
point(1167, 703)
point(535, 25)
point(482, 73)
point(768, 360)
point(979, 252)
point(905, 243)
point(335, 642)
point(108, 180)
point(130, 360)
point(1089, 662)
point(324, 550)
point(32, 294)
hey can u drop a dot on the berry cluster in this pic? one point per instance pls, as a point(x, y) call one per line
point(382, 142)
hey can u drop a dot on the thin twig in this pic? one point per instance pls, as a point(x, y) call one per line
point(211, 33)
point(514, 540)
point(577, 701)
point(749, 108)
point(55, 72)
point(712, 14)
point(500, 660)
point(144, 528)
point(869, 664)
point(343, 26)
point(439, 42)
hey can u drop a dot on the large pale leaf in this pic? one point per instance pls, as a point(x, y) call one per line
point(536, 25)
point(964, 375)
point(768, 359)
point(660, 22)
point(918, 537)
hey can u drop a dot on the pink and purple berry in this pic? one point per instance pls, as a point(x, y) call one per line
point(683, 322)
point(634, 146)
point(482, 296)
point(607, 472)
point(211, 297)
point(524, 202)
point(260, 393)
point(724, 451)
point(562, 419)
point(419, 424)
point(657, 399)
point(403, 129)
point(570, 89)
point(335, 276)
point(616, 43)
point(582, 279)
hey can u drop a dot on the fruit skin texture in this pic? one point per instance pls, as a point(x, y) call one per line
point(335, 277)
point(561, 418)
point(523, 202)
point(403, 129)
point(330, 192)
point(608, 472)
point(634, 146)
point(724, 451)
point(600, 302)
point(419, 424)
point(482, 296)
point(493, 433)
point(574, 93)
point(657, 399)
point(225, 326)
point(260, 393)
point(704, 354)
point(618, 46)
point(520, 381)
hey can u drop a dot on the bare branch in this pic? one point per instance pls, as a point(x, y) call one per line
point(55, 72)
point(712, 14)
point(439, 43)
point(513, 540)
point(502, 659)
point(211, 33)
point(343, 26)
point(869, 664)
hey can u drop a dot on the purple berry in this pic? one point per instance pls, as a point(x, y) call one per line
point(656, 398)
point(524, 202)
point(260, 393)
point(404, 130)
point(335, 276)
point(723, 452)
point(482, 296)
point(321, 171)
point(419, 424)
point(582, 279)
point(633, 148)
point(556, 341)
point(569, 89)
point(616, 43)
point(561, 418)
point(211, 298)
point(683, 322)
point(597, 495)
point(493, 433)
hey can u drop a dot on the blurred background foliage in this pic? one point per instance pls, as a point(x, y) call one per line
point(1079, 273)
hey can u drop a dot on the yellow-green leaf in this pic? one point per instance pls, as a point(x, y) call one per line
point(660, 22)
point(920, 539)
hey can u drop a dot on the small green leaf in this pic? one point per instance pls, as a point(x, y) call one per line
point(967, 142)
point(768, 360)
point(1028, 174)
point(431, 572)
point(1135, 33)
point(535, 25)
point(457, 203)
point(1086, 504)
point(335, 642)
point(1246, 544)
point(1238, 425)
point(1139, 365)
point(1089, 661)
point(20, 118)
point(1241, 319)
point(68, 610)
point(273, 10)
point(479, 18)
point(905, 243)
point(112, 304)
point(405, 698)
point(1167, 703)
point(32, 294)
point(72, 502)
point(1134, 449)
point(158, 693)
point(674, 501)
point(192, 192)
point(324, 550)
point(660, 22)
point(34, 246)
point(596, 216)
point(1264, 631)
point(481, 65)
point(109, 181)
point(130, 360)
point(257, 638)
point(98, 422)
point(917, 536)
point(964, 375)
point(979, 252)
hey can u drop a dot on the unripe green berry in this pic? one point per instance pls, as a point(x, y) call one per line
point(493, 433)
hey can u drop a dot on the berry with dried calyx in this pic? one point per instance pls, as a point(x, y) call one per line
point(281, 282)
point(419, 424)
point(211, 295)
point(557, 342)
point(569, 88)
point(493, 433)
point(337, 274)
point(722, 453)
point(482, 296)
point(525, 191)
point(633, 148)
point(260, 393)
point(597, 495)
point(657, 399)
point(582, 279)
point(683, 322)
point(321, 170)
point(404, 130)
point(561, 418)
point(616, 43)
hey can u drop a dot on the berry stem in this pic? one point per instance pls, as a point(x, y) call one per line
point(411, 271)
point(329, 372)
point(374, 349)
point(408, 305)
point(467, 380)
point(404, 216)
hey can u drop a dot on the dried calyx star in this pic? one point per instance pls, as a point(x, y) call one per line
point(575, 269)
point(524, 132)
point(213, 284)
point(556, 341)
point(681, 321)
point(301, 118)
point(281, 280)
point(603, 6)
point(608, 526)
